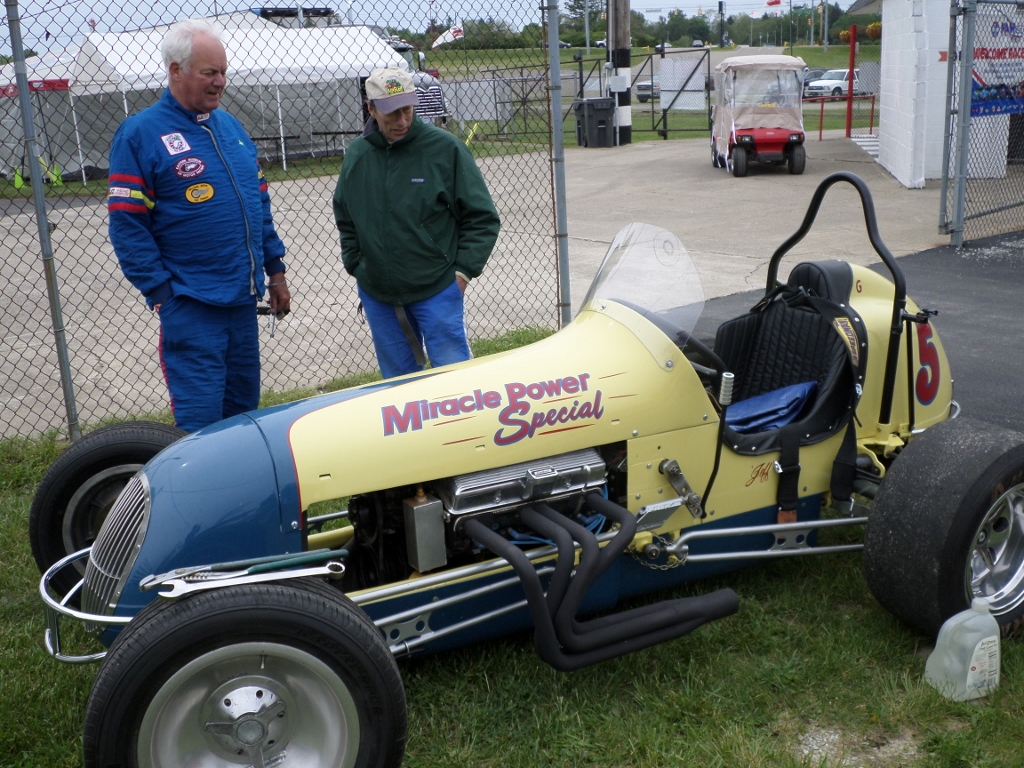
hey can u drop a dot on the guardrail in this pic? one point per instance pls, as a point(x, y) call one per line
point(849, 119)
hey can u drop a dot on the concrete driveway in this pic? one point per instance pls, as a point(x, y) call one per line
point(731, 226)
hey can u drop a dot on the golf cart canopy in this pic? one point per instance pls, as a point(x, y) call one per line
point(758, 92)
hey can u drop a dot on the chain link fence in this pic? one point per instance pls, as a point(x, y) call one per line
point(983, 169)
point(295, 84)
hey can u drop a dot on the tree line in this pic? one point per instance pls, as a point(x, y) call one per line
point(677, 29)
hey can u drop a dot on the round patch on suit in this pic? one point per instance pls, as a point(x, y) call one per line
point(199, 193)
point(189, 168)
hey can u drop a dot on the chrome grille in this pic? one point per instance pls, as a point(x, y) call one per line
point(431, 102)
point(116, 547)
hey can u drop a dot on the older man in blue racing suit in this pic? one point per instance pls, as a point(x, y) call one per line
point(191, 225)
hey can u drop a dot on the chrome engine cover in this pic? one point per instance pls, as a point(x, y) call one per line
point(493, 489)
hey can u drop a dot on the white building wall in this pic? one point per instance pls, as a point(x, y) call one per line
point(912, 99)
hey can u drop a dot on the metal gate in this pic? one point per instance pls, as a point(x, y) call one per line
point(983, 163)
point(85, 79)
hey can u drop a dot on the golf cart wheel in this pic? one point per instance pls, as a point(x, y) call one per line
point(948, 525)
point(739, 162)
point(244, 676)
point(78, 490)
point(797, 159)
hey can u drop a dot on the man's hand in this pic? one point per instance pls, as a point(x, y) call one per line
point(278, 296)
point(462, 284)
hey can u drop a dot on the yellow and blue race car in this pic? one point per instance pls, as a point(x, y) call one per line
point(256, 580)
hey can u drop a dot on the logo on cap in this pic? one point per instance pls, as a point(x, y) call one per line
point(393, 87)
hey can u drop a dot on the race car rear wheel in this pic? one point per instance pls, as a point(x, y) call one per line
point(78, 490)
point(247, 675)
point(948, 525)
point(739, 162)
point(797, 159)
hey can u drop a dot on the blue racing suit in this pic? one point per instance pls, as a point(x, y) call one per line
point(191, 225)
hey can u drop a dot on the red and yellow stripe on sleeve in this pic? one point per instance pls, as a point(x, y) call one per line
point(129, 194)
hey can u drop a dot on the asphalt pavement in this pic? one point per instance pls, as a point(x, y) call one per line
point(731, 227)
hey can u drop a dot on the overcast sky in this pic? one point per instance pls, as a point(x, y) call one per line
point(53, 24)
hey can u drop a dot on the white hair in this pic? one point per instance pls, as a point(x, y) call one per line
point(180, 38)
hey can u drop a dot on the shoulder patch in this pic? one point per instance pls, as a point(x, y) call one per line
point(175, 143)
point(120, 192)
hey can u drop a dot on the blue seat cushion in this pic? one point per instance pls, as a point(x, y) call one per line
point(770, 410)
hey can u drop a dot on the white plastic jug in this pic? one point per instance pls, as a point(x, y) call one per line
point(965, 662)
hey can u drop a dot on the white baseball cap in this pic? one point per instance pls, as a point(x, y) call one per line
point(390, 89)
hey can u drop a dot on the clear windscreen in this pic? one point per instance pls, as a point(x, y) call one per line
point(777, 87)
point(648, 270)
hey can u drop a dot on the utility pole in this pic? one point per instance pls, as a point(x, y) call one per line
point(824, 30)
point(586, 24)
point(619, 53)
point(791, 41)
point(721, 23)
point(813, 11)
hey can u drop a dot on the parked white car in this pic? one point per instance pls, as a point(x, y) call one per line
point(833, 83)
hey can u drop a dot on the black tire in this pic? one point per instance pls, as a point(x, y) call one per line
point(739, 162)
point(76, 493)
point(224, 656)
point(797, 159)
point(642, 99)
point(945, 527)
point(714, 156)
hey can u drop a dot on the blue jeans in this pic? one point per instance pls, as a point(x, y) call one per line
point(210, 357)
point(436, 321)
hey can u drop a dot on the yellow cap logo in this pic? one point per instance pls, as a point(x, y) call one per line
point(199, 193)
point(393, 87)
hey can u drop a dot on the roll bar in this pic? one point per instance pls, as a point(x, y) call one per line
point(900, 297)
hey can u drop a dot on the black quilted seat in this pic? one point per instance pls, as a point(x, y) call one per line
point(788, 341)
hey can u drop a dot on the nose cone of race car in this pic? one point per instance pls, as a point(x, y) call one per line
point(213, 498)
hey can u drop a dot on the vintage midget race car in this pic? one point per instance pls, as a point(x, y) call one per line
point(256, 580)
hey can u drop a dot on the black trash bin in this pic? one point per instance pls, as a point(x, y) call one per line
point(595, 122)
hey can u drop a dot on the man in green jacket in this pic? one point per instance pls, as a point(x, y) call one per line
point(417, 224)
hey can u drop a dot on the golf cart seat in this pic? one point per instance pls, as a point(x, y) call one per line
point(796, 335)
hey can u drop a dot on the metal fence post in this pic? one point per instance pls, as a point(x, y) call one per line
point(963, 121)
point(558, 163)
point(39, 200)
point(953, 57)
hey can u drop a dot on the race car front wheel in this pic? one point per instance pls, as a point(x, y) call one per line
point(261, 674)
point(78, 490)
point(948, 525)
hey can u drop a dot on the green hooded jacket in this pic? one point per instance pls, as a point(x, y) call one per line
point(412, 214)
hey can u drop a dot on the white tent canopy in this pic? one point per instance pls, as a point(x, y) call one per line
point(296, 91)
point(130, 61)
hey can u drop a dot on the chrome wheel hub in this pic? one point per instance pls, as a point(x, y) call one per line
point(248, 717)
point(995, 566)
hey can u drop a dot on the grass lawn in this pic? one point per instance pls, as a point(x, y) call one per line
point(811, 672)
